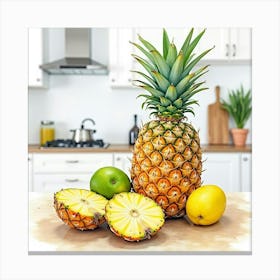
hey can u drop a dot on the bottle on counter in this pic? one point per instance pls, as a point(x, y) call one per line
point(47, 132)
point(133, 132)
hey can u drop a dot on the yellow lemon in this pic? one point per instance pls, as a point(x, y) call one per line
point(206, 205)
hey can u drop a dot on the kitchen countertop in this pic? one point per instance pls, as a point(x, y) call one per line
point(118, 148)
point(232, 234)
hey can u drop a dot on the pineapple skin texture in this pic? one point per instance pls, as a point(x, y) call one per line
point(76, 220)
point(166, 164)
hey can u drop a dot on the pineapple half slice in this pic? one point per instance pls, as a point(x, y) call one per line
point(133, 216)
point(79, 208)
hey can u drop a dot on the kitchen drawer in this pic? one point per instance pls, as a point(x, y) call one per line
point(55, 182)
point(123, 162)
point(70, 162)
point(30, 171)
point(222, 169)
point(246, 172)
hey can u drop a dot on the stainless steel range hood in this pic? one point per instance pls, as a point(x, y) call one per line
point(77, 60)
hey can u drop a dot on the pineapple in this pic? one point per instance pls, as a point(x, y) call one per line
point(134, 217)
point(80, 209)
point(166, 163)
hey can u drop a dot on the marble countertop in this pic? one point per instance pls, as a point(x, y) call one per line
point(123, 148)
point(231, 235)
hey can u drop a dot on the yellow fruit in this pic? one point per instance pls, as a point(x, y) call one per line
point(133, 216)
point(79, 208)
point(206, 205)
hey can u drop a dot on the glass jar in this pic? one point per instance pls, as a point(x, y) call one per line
point(47, 132)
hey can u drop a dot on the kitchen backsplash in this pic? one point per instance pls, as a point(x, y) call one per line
point(70, 99)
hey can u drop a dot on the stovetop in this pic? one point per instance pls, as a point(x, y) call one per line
point(69, 143)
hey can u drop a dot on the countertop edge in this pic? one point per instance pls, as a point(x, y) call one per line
point(124, 148)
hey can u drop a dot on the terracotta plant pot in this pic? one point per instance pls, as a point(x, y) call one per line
point(239, 136)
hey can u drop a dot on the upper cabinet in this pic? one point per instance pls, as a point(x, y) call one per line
point(232, 45)
point(36, 77)
point(120, 60)
point(240, 39)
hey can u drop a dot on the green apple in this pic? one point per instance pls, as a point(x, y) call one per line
point(108, 181)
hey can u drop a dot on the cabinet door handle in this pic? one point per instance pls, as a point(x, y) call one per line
point(245, 159)
point(71, 180)
point(234, 50)
point(227, 49)
point(118, 159)
point(72, 161)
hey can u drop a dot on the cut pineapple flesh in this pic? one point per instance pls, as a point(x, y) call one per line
point(82, 201)
point(134, 216)
point(79, 208)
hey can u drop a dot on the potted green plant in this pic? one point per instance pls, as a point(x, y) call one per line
point(239, 108)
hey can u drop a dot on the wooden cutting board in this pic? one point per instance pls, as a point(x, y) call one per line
point(218, 130)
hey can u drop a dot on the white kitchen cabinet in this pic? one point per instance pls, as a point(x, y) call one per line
point(70, 162)
point(120, 59)
point(232, 45)
point(240, 39)
point(246, 172)
point(218, 37)
point(52, 171)
point(36, 76)
point(30, 171)
point(120, 50)
point(123, 162)
point(230, 171)
point(54, 182)
point(222, 169)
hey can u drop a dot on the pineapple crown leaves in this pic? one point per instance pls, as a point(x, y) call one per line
point(239, 106)
point(169, 79)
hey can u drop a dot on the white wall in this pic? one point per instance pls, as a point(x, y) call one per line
point(70, 99)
